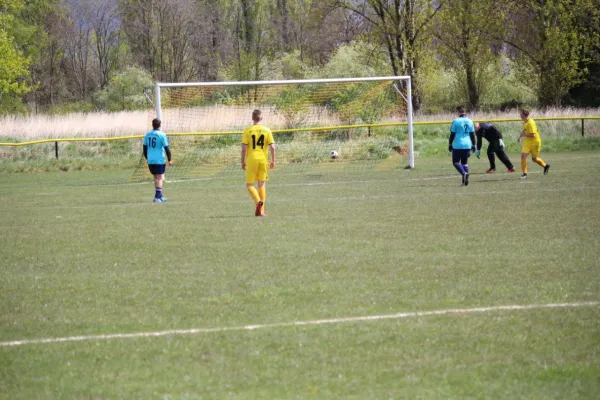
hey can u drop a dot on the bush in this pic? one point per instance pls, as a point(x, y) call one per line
point(348, 61)
point(72, 108)
point(125, 91)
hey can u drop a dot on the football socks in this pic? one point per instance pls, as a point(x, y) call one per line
point(262, 193)
point(524, 166)
point(253, 193)
point(459, 168)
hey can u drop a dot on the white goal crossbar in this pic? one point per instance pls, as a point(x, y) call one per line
point(408, 98)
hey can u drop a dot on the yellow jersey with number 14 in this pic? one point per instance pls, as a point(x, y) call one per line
point(257, 138)
point(530, 127)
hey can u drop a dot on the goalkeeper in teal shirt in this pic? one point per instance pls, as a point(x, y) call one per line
point(462, 143)
point(156, 146)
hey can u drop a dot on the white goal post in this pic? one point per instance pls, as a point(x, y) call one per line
point(401, 84)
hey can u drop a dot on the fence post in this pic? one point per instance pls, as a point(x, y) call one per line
point(582, 127)
point(56, 149)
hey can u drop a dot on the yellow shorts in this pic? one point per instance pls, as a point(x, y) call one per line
point(533, 148)
point(257, 170)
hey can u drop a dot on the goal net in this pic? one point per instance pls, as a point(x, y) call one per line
point(366, 121)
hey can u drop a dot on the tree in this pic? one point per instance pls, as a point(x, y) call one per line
point(106, 29)
point(587, 94)
point(17, 45)
point(13, 67)
point(212, 43)
point(125, 91)
point(401, 26)
point(467, 44)
point(161, 35)
point(45, 50)
point(552, 43)
point(284, 19)
point(76, 39)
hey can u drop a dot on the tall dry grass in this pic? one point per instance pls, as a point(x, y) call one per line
point(552, 112)
point(206, 119)
point(100, 124)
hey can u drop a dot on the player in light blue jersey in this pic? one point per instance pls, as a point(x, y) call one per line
point(156, 145)
point(462, 143)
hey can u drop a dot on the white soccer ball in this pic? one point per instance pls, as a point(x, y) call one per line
point(333, 154)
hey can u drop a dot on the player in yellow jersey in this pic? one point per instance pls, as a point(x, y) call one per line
point(532, 144)
point(256, 142)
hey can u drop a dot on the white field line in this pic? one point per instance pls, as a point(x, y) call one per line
point(432, 178)
point(299, 323)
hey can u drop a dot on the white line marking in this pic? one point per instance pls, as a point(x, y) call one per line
point(298, 323)
point(433, 178)
point(188, 180)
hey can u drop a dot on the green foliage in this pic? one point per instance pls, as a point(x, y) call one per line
point(21, 38)
point(553, 45)
point(241, 70)
point(451, 53)
point(125, 91)
point(292, 66)
point(221, 141)
point(348, 61)
point(13, 66)
point(439, 91)
point(442, 89)
point(73, 107)
point(467, 45)
point(293, 105)
point(505, 86)
point(375, 149)
point(73, 156)
point(11, 104)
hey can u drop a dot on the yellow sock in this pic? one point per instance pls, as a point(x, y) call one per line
point(540, 162)
point(262, 192)
point(253, 193)
point(524, 165)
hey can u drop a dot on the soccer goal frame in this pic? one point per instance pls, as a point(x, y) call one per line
point(408, 98)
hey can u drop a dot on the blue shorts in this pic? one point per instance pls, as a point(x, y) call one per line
point(460, 155)
point(157, 169)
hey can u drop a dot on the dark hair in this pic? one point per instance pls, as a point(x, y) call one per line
point(525, 112)
point(460, 109)
point(256, 115)
point(155, 123)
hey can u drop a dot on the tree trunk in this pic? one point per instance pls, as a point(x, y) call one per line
point(472, 91)
point(285, 36)
point(248, 26)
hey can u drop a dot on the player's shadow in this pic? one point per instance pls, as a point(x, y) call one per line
point(490, 180)
point(230, 216)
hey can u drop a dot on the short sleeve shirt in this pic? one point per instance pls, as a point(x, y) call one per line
point(462, 127)
point(257, 138)
point(156, 141)
point(530, 127)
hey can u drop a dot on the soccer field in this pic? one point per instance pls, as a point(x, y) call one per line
point(369, 285)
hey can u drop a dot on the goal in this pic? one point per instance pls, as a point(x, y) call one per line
point(366, 121)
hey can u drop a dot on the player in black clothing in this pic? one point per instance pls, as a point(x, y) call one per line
point(492, 135)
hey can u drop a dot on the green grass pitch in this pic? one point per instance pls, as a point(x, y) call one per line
point(81, 257)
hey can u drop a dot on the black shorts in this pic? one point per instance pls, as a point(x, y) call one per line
point(460, 155)
point(157, 169)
